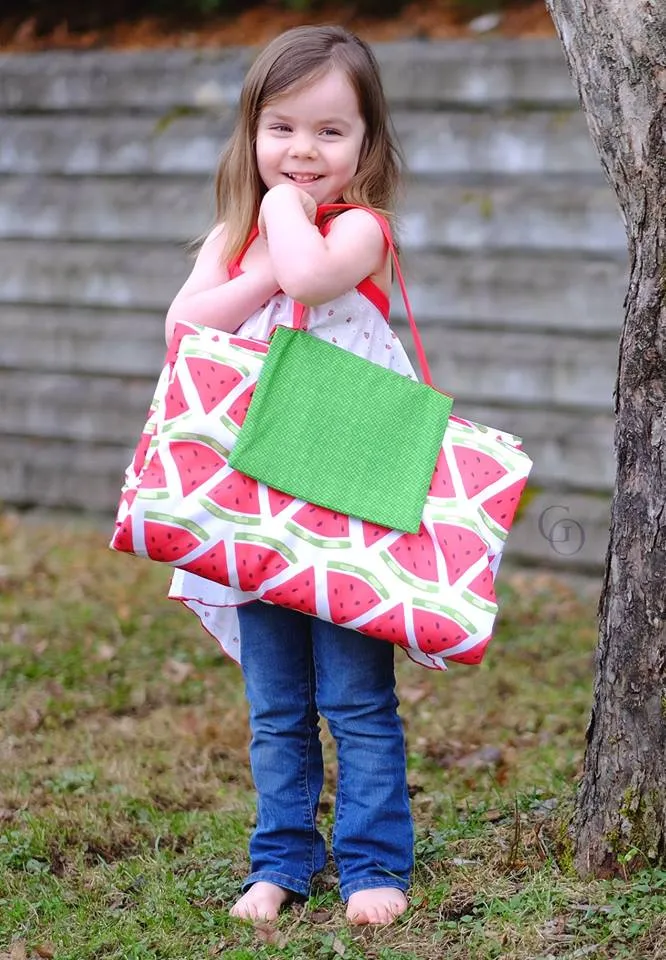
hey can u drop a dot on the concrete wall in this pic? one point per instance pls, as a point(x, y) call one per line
point(512, 245)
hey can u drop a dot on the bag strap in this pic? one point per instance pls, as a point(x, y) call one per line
point(300, 309)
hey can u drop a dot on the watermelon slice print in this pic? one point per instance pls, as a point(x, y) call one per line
point(254, 346)
point(234, 498)
point(122, 539)
point(259, 559)
point(477, 469)
point(388, 626)
point(461, 548)
point(438, 628)
point(480, 592)
point(498, 512)
point(196, 463)
point(372, 532)
point(169, 539)
point(153, 482)
point(234, 418)
point(461, 424)
point(474, 655)
point(212, 565)
point(298, 593)
point(175, 404)
point(441, 485)
point(351, 591)
point(213, 380)
point(412, 558)
point(320, 527)
point(277, 501)
point(141, 452)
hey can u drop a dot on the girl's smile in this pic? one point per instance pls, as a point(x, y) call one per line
point(312, 137)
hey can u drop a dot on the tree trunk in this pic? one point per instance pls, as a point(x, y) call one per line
point(616, 51)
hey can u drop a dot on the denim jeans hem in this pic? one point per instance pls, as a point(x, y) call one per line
point(370, 883)
point(300, 887)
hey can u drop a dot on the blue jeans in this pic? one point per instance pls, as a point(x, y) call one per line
point(297, 667)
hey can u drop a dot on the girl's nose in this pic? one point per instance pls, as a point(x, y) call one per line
point(302, 146)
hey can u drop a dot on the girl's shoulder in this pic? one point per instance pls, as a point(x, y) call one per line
point(362, 219)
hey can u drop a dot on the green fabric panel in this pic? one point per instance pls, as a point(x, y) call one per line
point(341, 432)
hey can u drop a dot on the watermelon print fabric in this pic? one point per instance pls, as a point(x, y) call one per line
point(233, 539)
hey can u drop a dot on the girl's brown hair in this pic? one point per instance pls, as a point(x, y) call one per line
point(291, 59)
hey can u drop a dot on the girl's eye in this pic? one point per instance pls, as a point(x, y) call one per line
point(329, 131)
point(281, 127)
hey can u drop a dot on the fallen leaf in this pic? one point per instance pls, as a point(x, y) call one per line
point(18, 950)
point(105, 652)
point(413, 694)
point(270, 934)
point(485, 757)
point(177, 670)
point(217, 948)
point(339, 947)
point(46, 950)
point(27, 30)
point(320, 916)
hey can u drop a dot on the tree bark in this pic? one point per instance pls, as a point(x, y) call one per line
point(616, 51)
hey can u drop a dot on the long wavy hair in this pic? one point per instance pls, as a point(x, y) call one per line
point(293, 58)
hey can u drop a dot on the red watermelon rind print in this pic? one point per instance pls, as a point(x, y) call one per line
point(246, 345)
point(480, 592)
point(425, 586)
point(461, 547)
point(321, 527)
point(442, 488)
point(201, 438)
point(153, 480)
point(297, 593)
point(497, 453)
point(498, 511)
point(473, 656)
point(234, 498)
point(278, 501)
point(352, 592)
point(165, 537)
point(212, 565)
point(389, 625)
point(260, 558)
point(205, 355)
point(426, 614)
point(222, 514)
point(234, 418)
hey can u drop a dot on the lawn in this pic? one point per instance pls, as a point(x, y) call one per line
point(126, 801)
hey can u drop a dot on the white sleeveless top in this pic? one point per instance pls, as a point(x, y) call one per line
point(356, 321)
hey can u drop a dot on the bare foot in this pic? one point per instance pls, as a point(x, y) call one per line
point(261, 902)
point(376, 905)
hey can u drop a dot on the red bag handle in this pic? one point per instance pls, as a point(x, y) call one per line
point(300, 309)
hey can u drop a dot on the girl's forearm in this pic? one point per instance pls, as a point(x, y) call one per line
point(225, 306)
point(298, 251)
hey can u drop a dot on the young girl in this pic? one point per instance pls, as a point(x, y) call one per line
point(313, 129)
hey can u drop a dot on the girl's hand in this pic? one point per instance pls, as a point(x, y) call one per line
point(308, 205)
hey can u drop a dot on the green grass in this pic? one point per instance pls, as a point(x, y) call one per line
point(126, 800)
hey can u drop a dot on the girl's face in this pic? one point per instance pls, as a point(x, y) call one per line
point(312, 137)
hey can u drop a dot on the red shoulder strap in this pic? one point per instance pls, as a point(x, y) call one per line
point(233, 267)
point(326, 208)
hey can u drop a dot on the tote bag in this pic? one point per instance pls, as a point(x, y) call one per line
point(184, 504)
